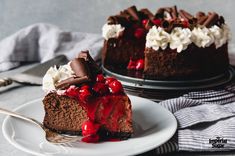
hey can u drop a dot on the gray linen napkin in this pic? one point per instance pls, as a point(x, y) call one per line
point(41, 42)
point(206, 121)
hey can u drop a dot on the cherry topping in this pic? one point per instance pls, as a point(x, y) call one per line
point(89, 128)
point(116, 87)
point(185, 24)
point(139, 33)
point(91, 139)
point(139, 64)
point(72, 91)
point(101, 88)
point(157, 22)
point(144, 22)
point(84, 94)
point(131, 64)
point(85, 87)
point(109, 80)
point(100, 78)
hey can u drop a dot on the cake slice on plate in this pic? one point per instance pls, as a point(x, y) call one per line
point(81, 101)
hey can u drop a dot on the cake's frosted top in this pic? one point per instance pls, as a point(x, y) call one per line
point(168, 26)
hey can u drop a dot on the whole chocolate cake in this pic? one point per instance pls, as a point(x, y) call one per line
point(167, 44)
point(81, 101)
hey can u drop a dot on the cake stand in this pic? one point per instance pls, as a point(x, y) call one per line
point(158, 90)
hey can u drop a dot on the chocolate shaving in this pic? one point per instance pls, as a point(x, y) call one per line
point(202, 19)
point(167, 25)
point(133, 12)
point(200, 14)
point(174, 12)
point(71, 81)
point(211, 20)
point(148, 25)
point(92, 64)
point(160, 13)
point(118, 19)
point(147, 13)
point(185, 15)
point(80, 67)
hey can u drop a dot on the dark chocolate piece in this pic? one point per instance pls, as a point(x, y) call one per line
point(211, 20)
point(202, 19)
point(92, 64)
point(174, 12)
point(118, 19)
point(148, 25)
point(71, 81)
point(133, 12)
point(160, 13)
point(147, 13)
point(200, 14)
point(80, 67)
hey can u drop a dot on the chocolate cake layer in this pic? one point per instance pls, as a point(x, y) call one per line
point(193, 62)
point(66, 115)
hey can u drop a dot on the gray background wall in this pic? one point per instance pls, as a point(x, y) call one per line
point(90, 15)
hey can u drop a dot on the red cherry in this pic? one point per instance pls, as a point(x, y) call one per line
point(144, 21)
point(131, 64)
point(157, 22)
point(91, 139)
point(109, 80)
point(139, 33)
point(116, 87)
point(89, 128)
point(100, 78)
point(101, 88)
point(84, 94)
point(139, 64)
point(85, 87)
point(185, 24)
point(72, 91)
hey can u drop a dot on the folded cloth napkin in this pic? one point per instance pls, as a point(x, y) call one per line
point(41, 42)
point(206, 121)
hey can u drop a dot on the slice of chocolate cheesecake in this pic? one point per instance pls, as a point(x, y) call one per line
point(81, 101)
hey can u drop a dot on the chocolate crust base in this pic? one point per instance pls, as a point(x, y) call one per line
point(103, 133)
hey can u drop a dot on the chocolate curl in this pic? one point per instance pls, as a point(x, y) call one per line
point(80, 67)
point(202, 19)
point(167, 25)
point(133, 12)
point(160, 13)
point(147, 13)
point(221, 20)
point(184, 14)
point(71, 81)
point(174, 12)
point(200, 14)
point(192, 21)
point(92, 64)
point(148, 25)
point(125, 14)
point(118, 19)
point(211, 20)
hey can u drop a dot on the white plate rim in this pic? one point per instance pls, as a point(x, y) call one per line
point(22, 148)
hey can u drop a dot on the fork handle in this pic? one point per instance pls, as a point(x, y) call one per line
point(17, 115)
point(5, 82)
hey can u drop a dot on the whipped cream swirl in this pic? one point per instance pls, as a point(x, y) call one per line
point(55, 75)
point(180, 38)
point(157, 38)
point(202, 37)
point(112, 30)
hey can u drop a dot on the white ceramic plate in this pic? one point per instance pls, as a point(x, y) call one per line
point(154, 125)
